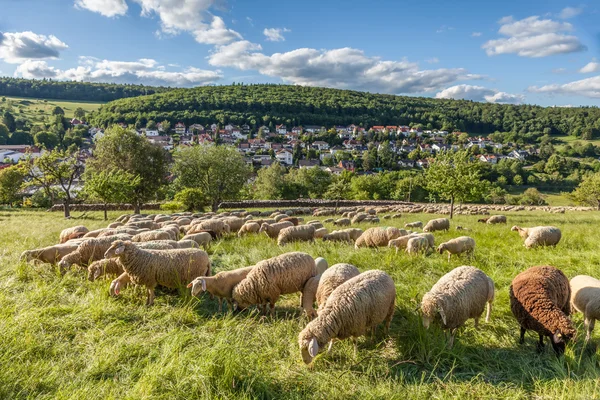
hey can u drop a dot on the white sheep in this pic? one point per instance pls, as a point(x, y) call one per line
point(416, 245)
point(439, 224)
point(539, 235)
point(585, 298)
point(416, 224)
point(377, 237)
point(74, 232)
point(354, 233)
point(152, 235)
point(272, 230)
point(321, 265)
point(202, 238)
point(50, 254)
point(401, 242)
point(457, 246)
point(320, 232)
point(337, 236)
point(296, 233)
point(220, 285)
point(248, 227)
point(457, 296)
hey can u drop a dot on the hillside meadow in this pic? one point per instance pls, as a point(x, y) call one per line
point(38, 109)
point(63, 337)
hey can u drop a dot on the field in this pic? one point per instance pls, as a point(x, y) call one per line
point(36, 109)
point(64, 337)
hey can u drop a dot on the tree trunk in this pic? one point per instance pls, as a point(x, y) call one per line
point(598, 205)
point(136, 208)
point(105, 212)
point(66, 205)
point(215, 205)
point(451, 207)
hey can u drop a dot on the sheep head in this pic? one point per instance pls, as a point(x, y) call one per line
point(515, 229)
point(197, 285)
point(430, 309)
point(118, 247)
point(441, 248)
point(310, 350)
point(94, 271)
point(26, 256)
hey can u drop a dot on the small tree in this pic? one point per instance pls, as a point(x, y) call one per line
point(111, 186)
point(588, 191)
point(191, 199)
point(11, 180)
point(79, 113)
point(338, 190)
point(58, 111)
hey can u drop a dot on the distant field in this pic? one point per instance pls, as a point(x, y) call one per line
point(36, 109)
point(571, 140)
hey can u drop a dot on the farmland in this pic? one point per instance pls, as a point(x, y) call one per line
point(64, 337)
point(36, 110)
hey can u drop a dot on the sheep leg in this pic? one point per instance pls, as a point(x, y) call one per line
point(476, 323)
point(449, 257)
point(489, 311)
point(115, 285)
point(330, 345)
point(451, 340)
point(540, 345)
point(522, 337)
point(150, 296)
point(220, 304)
point(589, 327)
point(355, 341)
point(272, 304)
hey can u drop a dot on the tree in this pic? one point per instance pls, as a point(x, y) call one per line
point(55, 168)
point(46, 139)
point(124, 150)
point(588, 191)
point(4, 133)
point(453, 176)
point(110, 186)
point(387, 158)
point(58, 111)
point(11, 180)
point(151, 125)
point(338, 190)
point(271, 183)
point(165, 126)
point(191, 199)
point(219, 171)
point(79, 113)
point(9, 120)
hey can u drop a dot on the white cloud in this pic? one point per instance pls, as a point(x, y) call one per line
point(559, 70)
point(479, 93)
point(143, 71)
point(275, 34)
point(476, 34)
point(433, 60)
point(533, 37)
point(217, 33)
point(344, 68)
point(589, 87)
point(592, 66)
point(18, 47)
point(444, 28)
point(570, 12)
point(108, 8)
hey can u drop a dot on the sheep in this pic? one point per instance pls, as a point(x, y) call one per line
point(220, 285)
point(585, 298)
point(73, 233)
point(170, 268)
point(539, 235)
point(89, 251)
point(416, 224)
point(539, 300)
point(440, 224)
point(235, 223)
point(342, 222)
point(293, 220)
point(355, 307)
point(401, 242)
point(320, 232)
point(337, 236)
point(215, 225)
point(461, 294)
point(272, 230)
point(202, 238)
point(50, 254)
point(107, 266)
point(152, 235)
point(315, 224)
point(115, 225)
point(94, 233)
point(248, 227)
point(483, 220)
point(462, 244)
point(353, 232)
point(416, 245)
point(462, 228)
point(377, 237)
point(186, 244)
point(143, 224)
point(172, 230)
point(296, 233)
point(358, 218)
point(269, 279)
point(321, 265)
point(496, 219)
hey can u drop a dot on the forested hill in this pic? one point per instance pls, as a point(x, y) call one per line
point(82, 91)
point(298, 105)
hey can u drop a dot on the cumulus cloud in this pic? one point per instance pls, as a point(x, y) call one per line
point(344, 68)
point(275, 34)
point(533, 37)
point(18, 47)
point(570, 12)
point(216, 33)
point(108, 8)
point(592, 66)
point(479, 93)
point(589, 87)
point(143, 71)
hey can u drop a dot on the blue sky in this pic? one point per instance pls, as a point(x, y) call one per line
point(541, 52)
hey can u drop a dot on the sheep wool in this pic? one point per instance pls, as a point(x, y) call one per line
point(248, 227)
point(320, 232)
point(439, 224)
point(462, 244)
point(215, 225)
point(539, 300)
point(74, 232)
point(321, 265)
point(220, 285)
point(457, 296)
point(416, 224)
point(272, 230)
point(107, 266)
point(89, 251)
point(342, 222)
point(496, 219)
point(202, 238)
point(377, 237)
point(304, 233)
point(338, 236)
point(353, 232)
point(416, 245)
point(332, 278)
point(585, 298)
point(151, 235)
point(50, 254)
point(539, 236)
point(355, 307)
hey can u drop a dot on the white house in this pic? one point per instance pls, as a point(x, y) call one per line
point(284, 157)
point(321, 145)
point(151, 132)
point(180, 128)
point(281, 129)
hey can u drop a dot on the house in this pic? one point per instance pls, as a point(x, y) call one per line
point(520, 155)
point(284, 157)
point(96, 133)
point(259, 157)
point(264, 129)
point(214, 127)
point(334, 170)
point(245, 129)
point(406, 163)
point(180, 128)
point(291, 136)
point(196, 128)
point(297, 130)
point(186, 140)
point(440, 147)
point(339, 128)
point(76, 122)
point(244, 147)
point(205, 139)
point(308, 163)
point(313, 128)
point(488, 158)
point(320, 145)
point(378, 128)
point(229, 127)
point(256, 144)
point(14, 153)
point(151, 132)
point(236, 133)
point(347, 165)
point(336, 149)
point(266, 162)
point(325, 154)
point(281, 129)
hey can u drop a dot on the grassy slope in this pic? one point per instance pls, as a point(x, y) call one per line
point(63, 337)
point(31, 107)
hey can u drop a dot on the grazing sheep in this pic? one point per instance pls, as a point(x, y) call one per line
point(401, 242)
point(170, 268)
point(585, 298)
point(115, 225)
point(94, 233)
point(539, 235)
point(186, 244)
point(304, 233)
point(318, 288)
point(354, 233)
point(89, 251)
point(272, 230)
point(328, 220)
point(217, 226)
point(416, 245)
point(539, 300)
point(439, 224)
point(462, 228)
point(355, 307)
point(342, 222)
point(235, 223)
point(202, 238)
point(50, 254)
point(462, 244)
point(483, 220)
point(321, 265)
point(416, 224)
point(320, 232)
point(457, 296)
point(269, 279)
point(496, 219)
point(158, 245)
point(151, 235)
point(149, 224)
point(316, 224)
point(172, 230)
point(248, 227)
point(338, 236)
point(220, 285)
point(358, 218)
point(293, 220)
point(377, 237)
point(74, 232)
point(107, 266)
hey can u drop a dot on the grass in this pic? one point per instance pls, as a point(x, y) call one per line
point(37, 109)
point(64, 337)
point(571, 140)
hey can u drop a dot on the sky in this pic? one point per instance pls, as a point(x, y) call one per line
point(544, 52)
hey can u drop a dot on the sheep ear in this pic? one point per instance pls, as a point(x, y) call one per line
point(442, 314)
point(313, 347)
point(557, 337)
point(120, 250)
point(235, 305)
point(203, 285)
point(97, 273)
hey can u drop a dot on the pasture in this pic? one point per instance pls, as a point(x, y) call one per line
point(37, 109)
point(64, 337)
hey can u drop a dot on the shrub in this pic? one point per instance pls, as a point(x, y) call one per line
point(191, 199)
point(171, 206)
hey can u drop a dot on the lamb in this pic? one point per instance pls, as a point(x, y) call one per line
point(342, 222)
point(337, 236)
point(585, 298)
point(296, 233)
point(355, 307)
point(353, 232)
point(151, 235)
point(74, 232)
point(248, 227)
point(170, 268)
point(539, 236)
point(377, 237)
point(272, 230)
point(457, 296)
point(416, 245)
point(539, 300)
point(50, 254)
point(107, 266)
point(439, 224)
point(496, 219)
point(89, 251)
point(220, 285)
point(115, 225)
point(462, 244)
point(320, 232)
point(416, 224)
point(401, 242)
point(269, 279)
point(202, 238)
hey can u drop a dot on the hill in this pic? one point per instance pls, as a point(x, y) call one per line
point(299, 105)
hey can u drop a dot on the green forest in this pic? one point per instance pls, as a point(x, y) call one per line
point(298, 105)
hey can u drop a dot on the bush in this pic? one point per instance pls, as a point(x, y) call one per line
point(191, 199)
point(171, 206)
point(40, 199)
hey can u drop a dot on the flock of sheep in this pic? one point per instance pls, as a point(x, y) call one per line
point(165, 250)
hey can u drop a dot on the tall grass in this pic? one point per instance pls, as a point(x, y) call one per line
point(64, 337)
